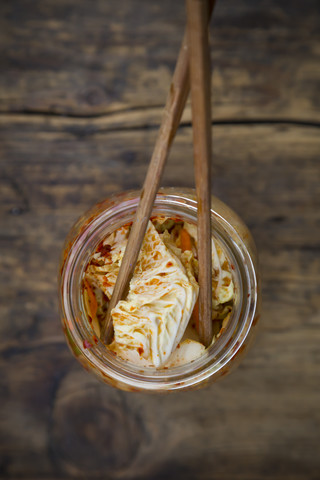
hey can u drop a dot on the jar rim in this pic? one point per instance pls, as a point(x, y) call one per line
point(108, 215)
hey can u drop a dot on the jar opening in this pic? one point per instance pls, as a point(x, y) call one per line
point(111, 216)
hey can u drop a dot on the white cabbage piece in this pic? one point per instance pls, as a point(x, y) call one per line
point(154, 316)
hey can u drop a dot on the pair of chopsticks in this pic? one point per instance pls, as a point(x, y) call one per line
point(193, 66)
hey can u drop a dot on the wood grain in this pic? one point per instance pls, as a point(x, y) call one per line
point(56, 421)
point(71, 58)
point(271, 398)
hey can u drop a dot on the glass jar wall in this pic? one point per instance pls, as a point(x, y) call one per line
point(218, 359)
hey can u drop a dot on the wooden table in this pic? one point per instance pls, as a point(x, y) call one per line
point(82, 89)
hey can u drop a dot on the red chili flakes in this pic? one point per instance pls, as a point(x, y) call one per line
point(101, 205)
point(176, 219)
point(100, 247)
point(106, 282)
point(87, 344)
point(128, 224)
point(140, 350)
point(104, 250)
point(169, 264)
point(95, 339)
point(133, 389)
point(178, 346)
point(232, 266)
point(248, 295)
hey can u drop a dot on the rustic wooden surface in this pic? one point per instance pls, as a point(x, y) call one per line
point(81, 90)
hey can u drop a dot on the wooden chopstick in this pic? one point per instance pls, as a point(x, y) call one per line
point(198, 42)
point(179, 90)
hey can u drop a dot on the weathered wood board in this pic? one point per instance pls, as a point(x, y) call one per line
point(82, 57)
point(81, 91)
point(263, 419)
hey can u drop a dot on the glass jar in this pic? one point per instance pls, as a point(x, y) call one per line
point(221, 356)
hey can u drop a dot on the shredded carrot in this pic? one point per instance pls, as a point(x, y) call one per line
point(92, 300)
point(185, 240)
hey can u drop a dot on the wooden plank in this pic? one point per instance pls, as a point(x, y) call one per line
point(57, 421)
point(85, 58)
point(62, 167)
point(106, 66)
